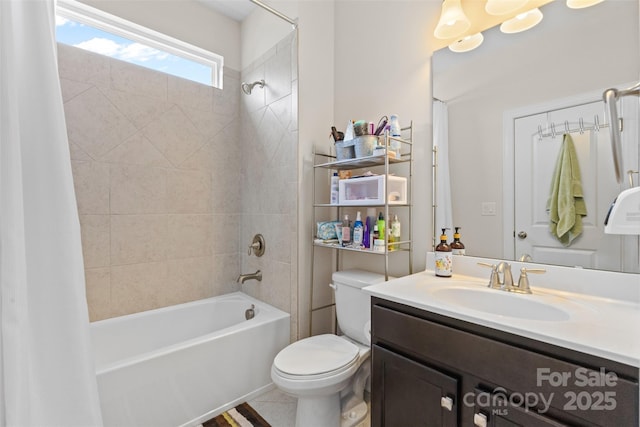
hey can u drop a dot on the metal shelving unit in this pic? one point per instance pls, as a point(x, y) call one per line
point(385, 165)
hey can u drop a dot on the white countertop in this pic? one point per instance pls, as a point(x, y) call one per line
point(597, 325)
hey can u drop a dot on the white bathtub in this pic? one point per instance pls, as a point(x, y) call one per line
point(183, 364)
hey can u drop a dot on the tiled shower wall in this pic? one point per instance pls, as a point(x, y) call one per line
point(155, 163)
point(269, 133)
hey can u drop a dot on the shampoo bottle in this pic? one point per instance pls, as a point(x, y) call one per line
point(358, 232)
point(444, 259)
point(457, 248)
point(371, 221)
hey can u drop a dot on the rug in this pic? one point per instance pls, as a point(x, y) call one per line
point(242, 415)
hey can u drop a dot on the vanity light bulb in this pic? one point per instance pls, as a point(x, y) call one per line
point(581, 4)
point(522, 22)
point(453, 22)
point(467, 43)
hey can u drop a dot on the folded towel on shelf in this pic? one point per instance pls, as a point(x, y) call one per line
point(566, 205)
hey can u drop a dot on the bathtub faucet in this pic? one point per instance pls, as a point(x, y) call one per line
point(244, 277)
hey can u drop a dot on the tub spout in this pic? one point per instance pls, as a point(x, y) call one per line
point(254, 276)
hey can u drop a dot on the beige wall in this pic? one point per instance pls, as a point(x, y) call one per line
point(153, 161)
point(269, 146)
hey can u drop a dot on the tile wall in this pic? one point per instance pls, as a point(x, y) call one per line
point(269, 133)
point(155, 162)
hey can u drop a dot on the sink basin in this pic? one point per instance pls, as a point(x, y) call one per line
point(501, 303)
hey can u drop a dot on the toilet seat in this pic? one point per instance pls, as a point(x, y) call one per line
point(316, 357)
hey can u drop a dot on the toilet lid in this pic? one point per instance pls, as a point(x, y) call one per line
point(316, 355)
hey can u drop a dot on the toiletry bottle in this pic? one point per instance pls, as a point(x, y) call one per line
point(334, 188)
point(395, 131)
point(457, 247)
point(346, 231)
point(358, 232)
point(366, 233)
point(444, 259)
point(371, 220)
point(394, 235)
point(381, 226)
point(375, 235)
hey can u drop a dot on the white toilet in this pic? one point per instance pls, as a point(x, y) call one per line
point(328, 373)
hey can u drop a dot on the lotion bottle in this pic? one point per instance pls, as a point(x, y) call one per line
point(444, 259)
point(358, 232)
point(457, 247)
point(346, 231)
point(394, 233)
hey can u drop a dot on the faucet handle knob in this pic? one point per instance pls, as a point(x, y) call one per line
point(494, 280)
point(523, 282)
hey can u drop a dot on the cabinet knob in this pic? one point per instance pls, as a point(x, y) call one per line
point(480, 419)
point(446, 403)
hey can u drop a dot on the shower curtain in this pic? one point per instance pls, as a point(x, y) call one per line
point(47, 377)
point(443, 186)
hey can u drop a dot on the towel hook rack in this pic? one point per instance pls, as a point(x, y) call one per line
point(539, 132)
point(581, 125)
point(566, 126)
point(596, 123)
point(553, 130)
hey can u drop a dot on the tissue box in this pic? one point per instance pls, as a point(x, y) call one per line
point(369, 190)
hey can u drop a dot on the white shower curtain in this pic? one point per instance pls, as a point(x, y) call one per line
point(443, 186)
point(47, 377)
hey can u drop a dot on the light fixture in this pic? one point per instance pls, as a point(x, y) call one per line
point(522, 22)
point(453, 22)
point(502, 7)
point(581, 4)
point(467, 43)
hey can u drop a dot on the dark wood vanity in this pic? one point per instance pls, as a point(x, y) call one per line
point(432, 370)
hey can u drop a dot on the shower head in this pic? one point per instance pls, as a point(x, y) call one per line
point(248, 87)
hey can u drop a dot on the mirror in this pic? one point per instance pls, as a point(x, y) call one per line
point(548, 78)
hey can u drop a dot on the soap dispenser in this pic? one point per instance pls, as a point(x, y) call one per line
point(444, 259)
point(457, 247)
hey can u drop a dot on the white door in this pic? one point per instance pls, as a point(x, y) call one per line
point(535, 160)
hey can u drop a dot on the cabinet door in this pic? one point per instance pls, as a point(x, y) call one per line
point(409, 394)
point(496, 411)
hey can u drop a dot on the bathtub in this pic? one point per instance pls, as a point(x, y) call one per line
point(184, 364)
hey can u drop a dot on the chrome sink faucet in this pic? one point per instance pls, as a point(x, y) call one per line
point(504, 269)
point(502, 279)
point(252, 276)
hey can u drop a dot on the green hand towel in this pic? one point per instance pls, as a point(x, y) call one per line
point(566, 204)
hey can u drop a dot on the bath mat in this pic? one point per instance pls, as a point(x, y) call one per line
point(242, 415)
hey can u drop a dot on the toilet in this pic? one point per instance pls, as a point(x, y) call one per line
point(328, 373)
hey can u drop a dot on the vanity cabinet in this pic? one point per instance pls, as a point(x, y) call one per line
point(433, 370)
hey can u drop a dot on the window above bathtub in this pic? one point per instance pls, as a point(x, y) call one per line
point(85, 27)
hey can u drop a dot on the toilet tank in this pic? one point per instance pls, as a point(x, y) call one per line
point(353, 306)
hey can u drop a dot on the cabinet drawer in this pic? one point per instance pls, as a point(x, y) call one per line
point(593, 394)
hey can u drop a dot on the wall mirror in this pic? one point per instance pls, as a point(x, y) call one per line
point(508, 105)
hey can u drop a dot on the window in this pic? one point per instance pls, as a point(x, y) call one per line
point(91, 29)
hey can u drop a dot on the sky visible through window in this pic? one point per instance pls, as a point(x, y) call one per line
point(92, 39)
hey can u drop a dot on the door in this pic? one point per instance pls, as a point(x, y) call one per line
point(535, 160)
point(407, 393)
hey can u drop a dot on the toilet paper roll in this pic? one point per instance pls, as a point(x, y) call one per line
point(367, 331)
